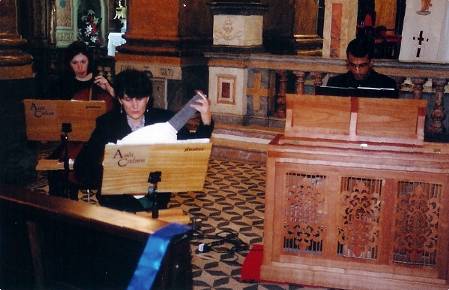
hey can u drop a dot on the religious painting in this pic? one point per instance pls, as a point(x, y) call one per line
point(64, 13)
point(226, 89)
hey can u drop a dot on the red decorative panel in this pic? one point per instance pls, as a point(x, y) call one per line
point(417, 217)
point(358, 227)
point(303, 220)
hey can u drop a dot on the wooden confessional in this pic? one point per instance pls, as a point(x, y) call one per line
point(355, 198)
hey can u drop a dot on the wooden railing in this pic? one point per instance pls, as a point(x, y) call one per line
point(49, 242)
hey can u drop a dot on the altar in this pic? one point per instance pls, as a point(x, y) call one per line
point(355, 199)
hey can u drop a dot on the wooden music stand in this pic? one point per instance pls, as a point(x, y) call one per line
point(64, 120)
point(128, 168)
point(46, 119)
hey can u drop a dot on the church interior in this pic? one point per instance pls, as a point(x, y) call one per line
point(298, 190)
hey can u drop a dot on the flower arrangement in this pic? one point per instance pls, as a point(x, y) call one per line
point(88, 31)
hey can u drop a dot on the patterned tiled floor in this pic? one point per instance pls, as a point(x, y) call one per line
point(233, 200)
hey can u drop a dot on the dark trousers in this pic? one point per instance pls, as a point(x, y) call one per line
point(59, 186)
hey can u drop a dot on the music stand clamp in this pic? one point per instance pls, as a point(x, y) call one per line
point(66, 128)
point(153, 178)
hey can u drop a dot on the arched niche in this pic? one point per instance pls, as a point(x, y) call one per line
point(68, 15)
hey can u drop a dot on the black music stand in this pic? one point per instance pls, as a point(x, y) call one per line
point(153, 179)
point(66, 128)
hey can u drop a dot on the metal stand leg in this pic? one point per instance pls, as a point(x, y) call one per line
point(153, 179)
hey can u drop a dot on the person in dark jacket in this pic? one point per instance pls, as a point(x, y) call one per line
point(360, 68)
point(134, 91)
point(76, 83)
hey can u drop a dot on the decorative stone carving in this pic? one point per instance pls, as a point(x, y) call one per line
point(237, 23)
point(227, 91)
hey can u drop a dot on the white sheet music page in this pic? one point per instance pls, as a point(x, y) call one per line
point(152, 134)
point(159, 133)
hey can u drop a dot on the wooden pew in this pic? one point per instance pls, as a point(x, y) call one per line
point(49, 242)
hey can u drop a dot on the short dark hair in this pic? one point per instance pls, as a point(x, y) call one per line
point(133, 83)
point(74, 49)
point(360, 47)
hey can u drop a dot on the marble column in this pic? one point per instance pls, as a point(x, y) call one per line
point(167, 39)
point(340, 23)
point(438, 114)
point(306, 34)
point(14, 63)
point(17, 157)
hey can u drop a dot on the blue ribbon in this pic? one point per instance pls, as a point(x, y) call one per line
point(151, 258)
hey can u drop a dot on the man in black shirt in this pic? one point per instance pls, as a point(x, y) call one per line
point(360, 68)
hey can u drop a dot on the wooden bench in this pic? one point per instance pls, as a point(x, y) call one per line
point(50, 242)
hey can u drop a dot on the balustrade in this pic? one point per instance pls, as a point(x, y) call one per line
point(436, 125)
point(304, 73)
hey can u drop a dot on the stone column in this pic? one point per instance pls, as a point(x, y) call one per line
point(236, 94)
point(299, 84)
point(281, 97)
point(437, 116)
point(14, 63)
point(418, 86)
point(17, 159)
point(167, 39)
point(340, 21)
point(307, 40)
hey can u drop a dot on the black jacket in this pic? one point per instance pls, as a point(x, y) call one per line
point(373, 80)
point(111, 127)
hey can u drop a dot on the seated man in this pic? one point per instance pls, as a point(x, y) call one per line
point(360, 68)
point(134, 92)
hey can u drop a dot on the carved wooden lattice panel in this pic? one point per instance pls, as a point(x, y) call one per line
point(303, 219)
point(417, 216)
point(358, 227)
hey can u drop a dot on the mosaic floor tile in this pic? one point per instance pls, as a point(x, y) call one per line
point(233, 200)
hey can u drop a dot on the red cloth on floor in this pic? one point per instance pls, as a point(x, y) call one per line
point(251, 265)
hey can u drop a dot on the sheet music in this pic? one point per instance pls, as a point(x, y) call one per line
point(186, 141)
point(161, 133)
point(152, 134)
point(378, 89)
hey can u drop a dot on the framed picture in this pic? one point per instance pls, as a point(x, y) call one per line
point(63, 14)
point(226, 89)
